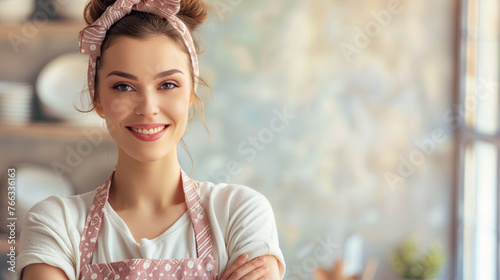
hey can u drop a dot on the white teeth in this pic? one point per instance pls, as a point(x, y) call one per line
point(148, 131)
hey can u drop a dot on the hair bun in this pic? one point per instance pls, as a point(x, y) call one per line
point(94, 9)
point(192, 12)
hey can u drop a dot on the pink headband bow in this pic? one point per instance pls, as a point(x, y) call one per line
point(92, 36)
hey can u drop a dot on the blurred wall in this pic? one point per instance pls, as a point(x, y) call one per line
point(365, 146)
point(337, 111)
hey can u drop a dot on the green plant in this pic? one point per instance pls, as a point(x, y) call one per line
point(408, 262)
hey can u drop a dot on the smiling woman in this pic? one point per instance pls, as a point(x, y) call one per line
point(149, 219)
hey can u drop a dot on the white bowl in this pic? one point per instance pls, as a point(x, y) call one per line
point(16, 10)
point(59, 88)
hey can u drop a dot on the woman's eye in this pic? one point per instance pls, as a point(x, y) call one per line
point(122, 87)
point(168, 86)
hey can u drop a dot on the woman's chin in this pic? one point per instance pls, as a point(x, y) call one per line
point(147, 155)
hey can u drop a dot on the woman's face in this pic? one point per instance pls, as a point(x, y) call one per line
point(144, 95)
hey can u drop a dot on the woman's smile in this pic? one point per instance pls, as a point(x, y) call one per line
point(148, 132)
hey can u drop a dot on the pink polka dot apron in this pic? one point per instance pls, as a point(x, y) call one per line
point(201, 267)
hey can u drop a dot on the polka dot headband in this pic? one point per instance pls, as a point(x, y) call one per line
point(92, 36)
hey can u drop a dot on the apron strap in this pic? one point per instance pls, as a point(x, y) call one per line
point(93, 222)
point(199, 218)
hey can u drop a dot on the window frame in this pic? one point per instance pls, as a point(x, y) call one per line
point(464, 137)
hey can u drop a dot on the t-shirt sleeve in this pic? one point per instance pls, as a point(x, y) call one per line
point(251, 226)
point(45, 237)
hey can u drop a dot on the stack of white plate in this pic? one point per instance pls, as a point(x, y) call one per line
point(16, 101)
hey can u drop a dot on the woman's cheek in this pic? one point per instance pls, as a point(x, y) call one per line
point(118, 106)
point(179, 109)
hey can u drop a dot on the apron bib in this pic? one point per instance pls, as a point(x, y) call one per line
point(201, 267)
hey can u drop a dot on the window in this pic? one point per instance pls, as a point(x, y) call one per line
point(478, 145)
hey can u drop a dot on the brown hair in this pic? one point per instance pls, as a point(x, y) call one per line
point(142, 25)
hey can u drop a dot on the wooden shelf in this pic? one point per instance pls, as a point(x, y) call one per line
point(49, 28)
point(52, 131)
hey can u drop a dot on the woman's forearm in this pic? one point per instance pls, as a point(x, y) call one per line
point(274, 272)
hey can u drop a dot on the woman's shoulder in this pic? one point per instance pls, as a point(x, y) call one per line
point(57, 208)
point(72, 201)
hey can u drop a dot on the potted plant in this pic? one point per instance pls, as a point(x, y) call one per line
point(410, 263)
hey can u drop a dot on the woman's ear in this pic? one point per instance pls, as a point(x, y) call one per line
point(98, 109)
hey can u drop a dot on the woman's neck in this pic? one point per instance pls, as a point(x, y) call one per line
point(154, 185)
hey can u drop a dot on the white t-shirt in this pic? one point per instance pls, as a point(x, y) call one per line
point(241, 221)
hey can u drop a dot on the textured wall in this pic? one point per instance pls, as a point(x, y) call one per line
point(336, 110)
point(366, 87)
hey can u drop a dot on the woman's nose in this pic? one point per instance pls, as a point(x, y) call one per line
point(147, 103)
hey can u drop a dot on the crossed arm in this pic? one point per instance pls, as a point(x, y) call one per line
point(260, 268)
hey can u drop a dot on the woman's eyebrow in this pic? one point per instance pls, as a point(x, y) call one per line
point(168, 73)
point(132, 77)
